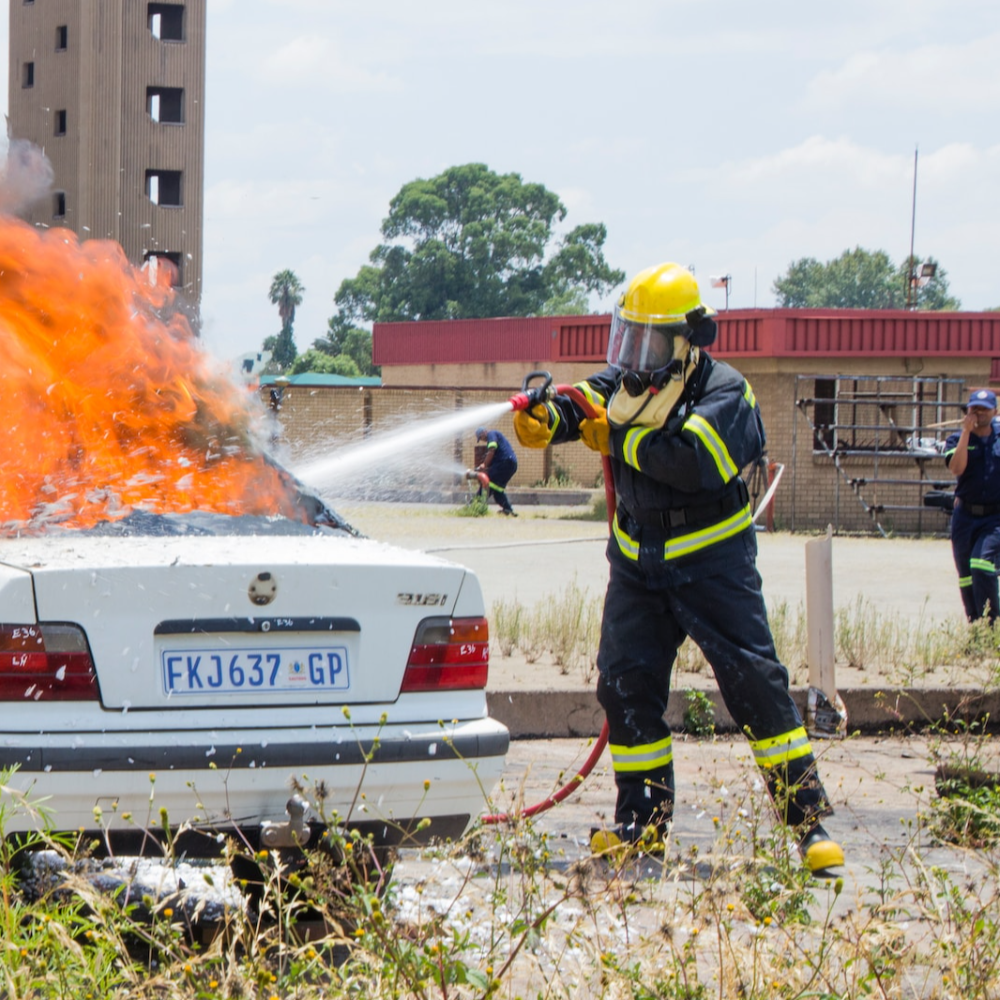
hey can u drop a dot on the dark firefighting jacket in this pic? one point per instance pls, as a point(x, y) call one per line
point(684, 477)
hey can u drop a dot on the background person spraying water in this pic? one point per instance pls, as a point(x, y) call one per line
point(500, 464)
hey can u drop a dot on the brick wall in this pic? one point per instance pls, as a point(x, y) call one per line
point(316, 421)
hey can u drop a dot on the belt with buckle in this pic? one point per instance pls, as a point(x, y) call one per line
point(981, 509)
point(694, 514)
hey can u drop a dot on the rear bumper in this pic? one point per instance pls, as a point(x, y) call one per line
point(381, 782)
point(145, 751)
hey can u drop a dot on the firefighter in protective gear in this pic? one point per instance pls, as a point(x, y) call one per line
point(973, 456)
point(679, 428)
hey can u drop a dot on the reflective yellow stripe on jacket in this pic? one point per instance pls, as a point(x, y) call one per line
point(645, 757)
point(694, 541)
point(630, 446)
point(781, 749)
point(714, 445)
point(591, 394)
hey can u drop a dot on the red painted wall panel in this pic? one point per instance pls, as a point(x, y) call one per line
point(742, 333)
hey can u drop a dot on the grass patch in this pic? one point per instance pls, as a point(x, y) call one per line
point(504, 912)
point(475, 506)
point(597, 511)
point(890, 649)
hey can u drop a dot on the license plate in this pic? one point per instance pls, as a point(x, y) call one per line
point(288, 670)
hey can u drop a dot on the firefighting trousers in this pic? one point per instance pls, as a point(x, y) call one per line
point(500, 474)
point(975, 544)
point(646, 618)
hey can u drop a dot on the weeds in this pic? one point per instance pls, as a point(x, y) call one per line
point(567, 627)
point(476, 506)
point(699, 713)
point(597, 511)
point(901, 653)
point(506, 912)
point(558, 479)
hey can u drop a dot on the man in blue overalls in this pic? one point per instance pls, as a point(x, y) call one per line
point(500, 464)
point(678, 427)
point(973, 455)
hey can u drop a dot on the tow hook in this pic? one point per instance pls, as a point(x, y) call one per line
point(293, 833)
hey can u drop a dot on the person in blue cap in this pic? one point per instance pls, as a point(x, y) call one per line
point(500, 464)
point(973, 456)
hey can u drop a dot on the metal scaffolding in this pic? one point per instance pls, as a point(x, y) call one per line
point(866, 424)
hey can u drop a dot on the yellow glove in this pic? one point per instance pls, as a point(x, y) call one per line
point(594, 432)
point(533, 427)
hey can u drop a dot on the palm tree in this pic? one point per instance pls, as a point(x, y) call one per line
point(286, 293)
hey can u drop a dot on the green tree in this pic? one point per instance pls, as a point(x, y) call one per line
point(326, 364)
point(858, 279)
point(286, 293)
point(355, 343)
point(471, 243)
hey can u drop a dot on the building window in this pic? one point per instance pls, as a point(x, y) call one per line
point(163, 187)
point(166, 21)
point(59, 205)
point(825, 415)
point(60, 122)
point(165, 104)
point(28, 74)
point(159, 259)
point(62, 38)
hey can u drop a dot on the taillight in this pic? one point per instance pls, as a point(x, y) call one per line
point(45, 663)
point(448, 653)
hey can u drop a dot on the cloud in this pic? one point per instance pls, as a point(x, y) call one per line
point(931, 78)
point(797, 174)
point(824, 195)
point(321, 62)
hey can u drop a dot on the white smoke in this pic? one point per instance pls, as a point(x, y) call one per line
point(25, 175)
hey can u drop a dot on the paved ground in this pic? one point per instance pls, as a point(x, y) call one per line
point(535, 557)
point(541, 551)
point(877, 785)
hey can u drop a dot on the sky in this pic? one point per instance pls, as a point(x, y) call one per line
point(734, 137)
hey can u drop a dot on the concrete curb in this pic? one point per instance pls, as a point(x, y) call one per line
point(560, 714)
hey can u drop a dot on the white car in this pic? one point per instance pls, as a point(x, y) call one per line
point(197, 669)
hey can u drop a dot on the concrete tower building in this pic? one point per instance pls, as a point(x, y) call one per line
point(113, 92)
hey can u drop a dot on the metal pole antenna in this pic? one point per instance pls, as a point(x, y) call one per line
point(913, 227)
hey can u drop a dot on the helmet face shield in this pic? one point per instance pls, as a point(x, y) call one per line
point(641, 346)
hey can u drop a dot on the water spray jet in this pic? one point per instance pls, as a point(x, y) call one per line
point(524, 400)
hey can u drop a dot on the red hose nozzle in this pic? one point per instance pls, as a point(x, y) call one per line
point(528, 397)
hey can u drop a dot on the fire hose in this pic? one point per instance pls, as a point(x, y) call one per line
point(524, 400)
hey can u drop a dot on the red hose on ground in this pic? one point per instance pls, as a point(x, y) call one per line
point(521, 402)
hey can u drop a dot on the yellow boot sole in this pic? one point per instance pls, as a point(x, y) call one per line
point(824, 854)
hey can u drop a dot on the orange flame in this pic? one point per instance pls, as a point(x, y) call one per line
point(107, 403)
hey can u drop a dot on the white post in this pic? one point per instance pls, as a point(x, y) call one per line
point(826, 715)
point(819, 613)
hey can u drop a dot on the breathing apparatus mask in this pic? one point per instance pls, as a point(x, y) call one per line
point(652, 350)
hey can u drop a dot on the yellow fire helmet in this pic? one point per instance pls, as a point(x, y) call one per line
point(660, 303)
